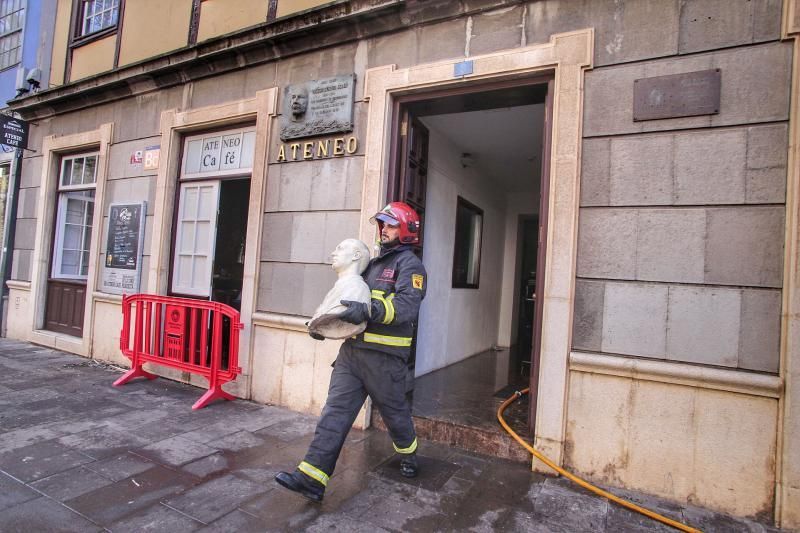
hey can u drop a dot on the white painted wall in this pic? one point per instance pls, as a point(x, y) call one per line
point(458, 323)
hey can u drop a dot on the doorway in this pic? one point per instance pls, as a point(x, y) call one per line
point(65, 302)
point(471, 162)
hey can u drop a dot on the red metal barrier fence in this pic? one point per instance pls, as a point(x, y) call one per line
point(195, 336)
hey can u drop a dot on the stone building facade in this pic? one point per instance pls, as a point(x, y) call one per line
point(669, 359)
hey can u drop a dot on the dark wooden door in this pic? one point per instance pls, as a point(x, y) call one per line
point(66, 301)
point(410, 187)
point(413, 172)
point(540, 259)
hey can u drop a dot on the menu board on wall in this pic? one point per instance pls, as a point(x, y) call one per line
point(122, 270)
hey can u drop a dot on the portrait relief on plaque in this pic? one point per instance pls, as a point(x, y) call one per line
point(318, 107)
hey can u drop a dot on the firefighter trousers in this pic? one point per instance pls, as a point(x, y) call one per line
point(359, 372)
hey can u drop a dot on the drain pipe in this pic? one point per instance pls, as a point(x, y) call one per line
point(12, 201)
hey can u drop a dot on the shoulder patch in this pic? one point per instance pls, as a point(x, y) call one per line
point(417, 280)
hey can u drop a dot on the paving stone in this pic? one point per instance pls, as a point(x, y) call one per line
point(333, 522)
point(43, 515)
point(112, 502)
point(237, 441)
point(26, 436)
point(13, 492)
point(580, 512)
point(215, 498)
point(102, 441)
point(433, 473)
point(31, 468)
point(176, 451)
point(233, 489)
point(237, 521)
point(292, 429)
point(21, 397)
point(283, 510)
point(207, 465)
point(120, 467)
point(71, 483)
point(157, 518)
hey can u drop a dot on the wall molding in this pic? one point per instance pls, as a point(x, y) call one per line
point(703, 377)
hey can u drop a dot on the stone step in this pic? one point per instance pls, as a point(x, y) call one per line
point(492, 442)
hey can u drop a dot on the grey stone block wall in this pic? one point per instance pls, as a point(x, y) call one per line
point(720, 326)
point(677, 214)
point(681, 226)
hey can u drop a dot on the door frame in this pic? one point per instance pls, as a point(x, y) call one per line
point(398, 148)
point(53, 148)
point(565, 57)
point(175, 126)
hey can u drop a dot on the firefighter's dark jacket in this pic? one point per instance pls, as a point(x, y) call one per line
point(398, 283)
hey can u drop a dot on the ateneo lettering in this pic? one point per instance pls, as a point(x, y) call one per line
point(320, 149)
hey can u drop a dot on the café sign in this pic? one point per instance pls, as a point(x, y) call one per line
point(13, 132)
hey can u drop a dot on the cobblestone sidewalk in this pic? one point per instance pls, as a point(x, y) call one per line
point(77, 454)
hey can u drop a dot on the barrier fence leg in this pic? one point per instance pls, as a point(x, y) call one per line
point(213, 393)
point(214, 385)
point(136, 371)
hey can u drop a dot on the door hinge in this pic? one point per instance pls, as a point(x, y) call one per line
point(404, 128)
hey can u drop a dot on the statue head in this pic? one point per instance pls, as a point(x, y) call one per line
point(297, 101)
point(350, 256)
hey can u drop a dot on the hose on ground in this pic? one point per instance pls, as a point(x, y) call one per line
point(579, 481)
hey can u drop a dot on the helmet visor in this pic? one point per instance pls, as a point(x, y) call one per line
point(385, 218)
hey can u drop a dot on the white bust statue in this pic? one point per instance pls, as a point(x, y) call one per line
point(350, 259)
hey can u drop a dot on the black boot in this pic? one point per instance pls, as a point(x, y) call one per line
point(301, 484)
point(409, 467)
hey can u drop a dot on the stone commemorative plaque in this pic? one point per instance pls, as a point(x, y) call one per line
point(678, 95)
point(318, 107)
point(123, 260)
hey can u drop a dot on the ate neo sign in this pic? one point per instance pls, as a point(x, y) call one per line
point(13, 132)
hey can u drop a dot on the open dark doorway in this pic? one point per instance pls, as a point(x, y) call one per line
point(472, 161)
point(528, 241)
point(228, 270)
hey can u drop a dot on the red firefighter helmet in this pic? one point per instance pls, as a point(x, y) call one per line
point(402, 215)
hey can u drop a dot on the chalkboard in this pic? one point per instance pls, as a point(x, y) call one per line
point(124, 248)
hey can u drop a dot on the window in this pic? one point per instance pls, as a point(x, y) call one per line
point(12, 18)
point(467, 251)
point(98, 15)
point(73, 237)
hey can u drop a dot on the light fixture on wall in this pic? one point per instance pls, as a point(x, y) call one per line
point(467, 160)
point(28, 81)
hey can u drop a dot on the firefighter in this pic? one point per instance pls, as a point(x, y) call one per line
point(373, 363)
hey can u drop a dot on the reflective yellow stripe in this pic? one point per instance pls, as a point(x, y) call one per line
point(388, 306)
point(316, 473)
point(387, 340)
point(410, 449)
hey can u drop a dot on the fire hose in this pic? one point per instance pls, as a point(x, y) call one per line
point(579, 481)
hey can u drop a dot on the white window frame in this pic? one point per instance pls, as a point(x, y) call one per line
point(195, 290)
point(89, 12)
point(21, 8)
point(61, 214)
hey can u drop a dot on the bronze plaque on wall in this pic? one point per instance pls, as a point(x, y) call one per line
point(677, 95)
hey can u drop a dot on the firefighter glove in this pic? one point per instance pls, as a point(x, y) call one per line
point(356, 312)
